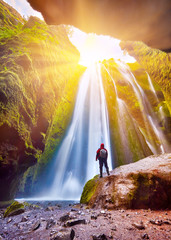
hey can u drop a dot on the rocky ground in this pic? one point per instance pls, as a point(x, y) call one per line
point(53, 222)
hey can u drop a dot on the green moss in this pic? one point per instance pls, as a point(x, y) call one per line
point(126, 120)
point(155, 62)
point(15, 206)
point(89, 190)
point(144, 184)
point(37, 65)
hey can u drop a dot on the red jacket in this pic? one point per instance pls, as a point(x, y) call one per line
point(98, 151)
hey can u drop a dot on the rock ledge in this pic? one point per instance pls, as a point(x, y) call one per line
point(143, 184)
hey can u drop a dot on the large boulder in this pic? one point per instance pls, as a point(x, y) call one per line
point(146, 20)
point(144, 184)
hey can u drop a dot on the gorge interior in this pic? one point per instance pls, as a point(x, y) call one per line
point(74, 162)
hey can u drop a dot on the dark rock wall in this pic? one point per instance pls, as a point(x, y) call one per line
point(146, 21)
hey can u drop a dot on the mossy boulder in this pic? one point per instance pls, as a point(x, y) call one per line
point(89, 190)
point(144, 184)
point(15, 208)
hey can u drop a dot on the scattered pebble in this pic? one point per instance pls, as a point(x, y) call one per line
point(9, 220)
point(71, 223)
point(63, 234)
point(94, 217)
point(145, 236)
point(100, 237)
point(50, 223)
point(36, 225)
point(139, 226)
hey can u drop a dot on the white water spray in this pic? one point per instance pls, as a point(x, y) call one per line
point(75, 160)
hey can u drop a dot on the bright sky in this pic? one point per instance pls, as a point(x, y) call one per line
point(92, 47)
point(95, 48)
point(24, 8)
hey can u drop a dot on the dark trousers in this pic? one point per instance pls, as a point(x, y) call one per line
point(101, 162)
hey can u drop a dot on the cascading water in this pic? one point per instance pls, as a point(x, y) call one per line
point(75, 160)
point(158, 143)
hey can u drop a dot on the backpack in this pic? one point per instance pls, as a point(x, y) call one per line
point(103, 153)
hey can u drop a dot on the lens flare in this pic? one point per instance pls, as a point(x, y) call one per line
point(94, 48)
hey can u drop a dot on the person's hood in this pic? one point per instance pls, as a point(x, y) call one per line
point(102, 145)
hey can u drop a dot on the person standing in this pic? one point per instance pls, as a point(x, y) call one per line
point(102, 155)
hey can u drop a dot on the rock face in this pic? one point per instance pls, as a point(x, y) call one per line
point(33, 83)
point(155, 62)
point(145, 21)
point(128, 119)
point(144, 184)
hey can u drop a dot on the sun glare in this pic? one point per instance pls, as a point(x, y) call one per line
point(94, 48)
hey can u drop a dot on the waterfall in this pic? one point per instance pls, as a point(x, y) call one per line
point(75, 159)
point(158, 144)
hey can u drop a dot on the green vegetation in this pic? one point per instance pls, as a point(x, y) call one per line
point(129, 125)
point(89, 189)
point(155, 62)
point(38, 82)
point(14, 209)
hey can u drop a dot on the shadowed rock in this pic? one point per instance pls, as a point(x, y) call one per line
point(64, 234)
point(147, 20)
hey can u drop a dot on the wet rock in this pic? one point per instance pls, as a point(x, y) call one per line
point(20, 226)
point(53, 232)
point(64, 218)
point(74, 210)
point(63, 234)
point(9, 220)
point(114, 228)
point(130, 228)
point(72, 215)
point(167, 222)
point(139, 226)
point(36, 225)
point(58, 205)
point(160, 222)
point(100, 237)
point(15, 208)
point(94, 217)
point(103, 212)
point(22, 238)
point(145, 236)
point(24, 219)
point(156, 222)
point(49, 208)
point(50, 223)
point(71, 223)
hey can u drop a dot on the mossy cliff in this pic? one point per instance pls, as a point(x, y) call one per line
point(38, 81)
point(155, 62)
point(130, 128)
point(144, 184)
